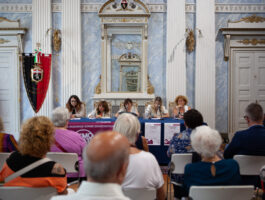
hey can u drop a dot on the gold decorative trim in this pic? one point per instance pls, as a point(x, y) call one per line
point(142, 4)
point(150, 87)
point(104, 5)
point(3, 41)
point(252, 41)
point(250, 19)
point(98, 87)
point(5, 19)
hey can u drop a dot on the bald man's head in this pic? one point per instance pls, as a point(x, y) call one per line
point(106, 157)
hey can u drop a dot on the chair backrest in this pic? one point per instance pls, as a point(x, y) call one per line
point(135, 104)
point(179, 162)
point(235, 192)
point(250, 165)
point(140, 193)
point(108, 102)
point(3, 157)
point(68, 160)
point(147, 103)
point(171, 106)
point(25, 193)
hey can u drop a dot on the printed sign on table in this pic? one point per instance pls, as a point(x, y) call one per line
point(88, 129)
point(153, 133)
point(169, 130)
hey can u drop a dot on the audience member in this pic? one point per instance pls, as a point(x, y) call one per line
point(106, 161)
point(250, 141)
point(211, 170)
point(157, 110)
point(180, 143)
point(7, 141)
point(143, 170)
point(35, 141)
point(181, 106)
point(128, 107)
point(65, 140)
point(102, 110)
point(76, 108)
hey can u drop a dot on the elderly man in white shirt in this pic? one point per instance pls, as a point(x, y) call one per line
point(106, 160)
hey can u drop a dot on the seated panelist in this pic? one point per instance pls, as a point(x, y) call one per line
point(128, 107)
point(76, 108)
point(157, 110)
point(181, 106)
point(101, 111)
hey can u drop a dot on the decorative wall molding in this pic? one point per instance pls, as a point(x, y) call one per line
point(253, 41)
point(155, 8)
point(3, 41)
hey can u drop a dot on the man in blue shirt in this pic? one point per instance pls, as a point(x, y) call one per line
point(252, 140)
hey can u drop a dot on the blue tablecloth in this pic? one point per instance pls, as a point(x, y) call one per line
point(159, 151)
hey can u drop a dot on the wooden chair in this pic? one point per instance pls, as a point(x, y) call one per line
point(140, 193)
point(109, 105)
point(135, 104)
point(250, 165)
point(235, 192)
point(3, 157)
point(171, 106)
point(25, 193)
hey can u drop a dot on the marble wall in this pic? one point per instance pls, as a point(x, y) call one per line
point(91, 55)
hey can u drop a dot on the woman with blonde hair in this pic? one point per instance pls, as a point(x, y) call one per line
point(36, 138)
point(101, 111)
point(76, 108)
point(181, 106)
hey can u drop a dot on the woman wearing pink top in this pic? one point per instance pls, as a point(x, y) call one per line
point(66, 140)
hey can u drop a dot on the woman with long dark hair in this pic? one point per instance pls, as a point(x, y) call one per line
point(76, 108)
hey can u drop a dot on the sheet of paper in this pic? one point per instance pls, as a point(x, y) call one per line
point(169, 130)
point(153, 133)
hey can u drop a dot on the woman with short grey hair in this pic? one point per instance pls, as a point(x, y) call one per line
point(211, 170)
point(66, 140)
point(143, 170)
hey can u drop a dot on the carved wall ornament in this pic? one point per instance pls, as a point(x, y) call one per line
point(98, 87)
point(3, 41)
point(150, 87)
point(190, 40)
point(252, 41)
point(250, 19)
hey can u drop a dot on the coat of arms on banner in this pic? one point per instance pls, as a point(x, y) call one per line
point(36, 73)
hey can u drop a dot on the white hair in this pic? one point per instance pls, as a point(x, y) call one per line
point(59, 116)
point(105, 169)
point(128, 125)
point(206, 141)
